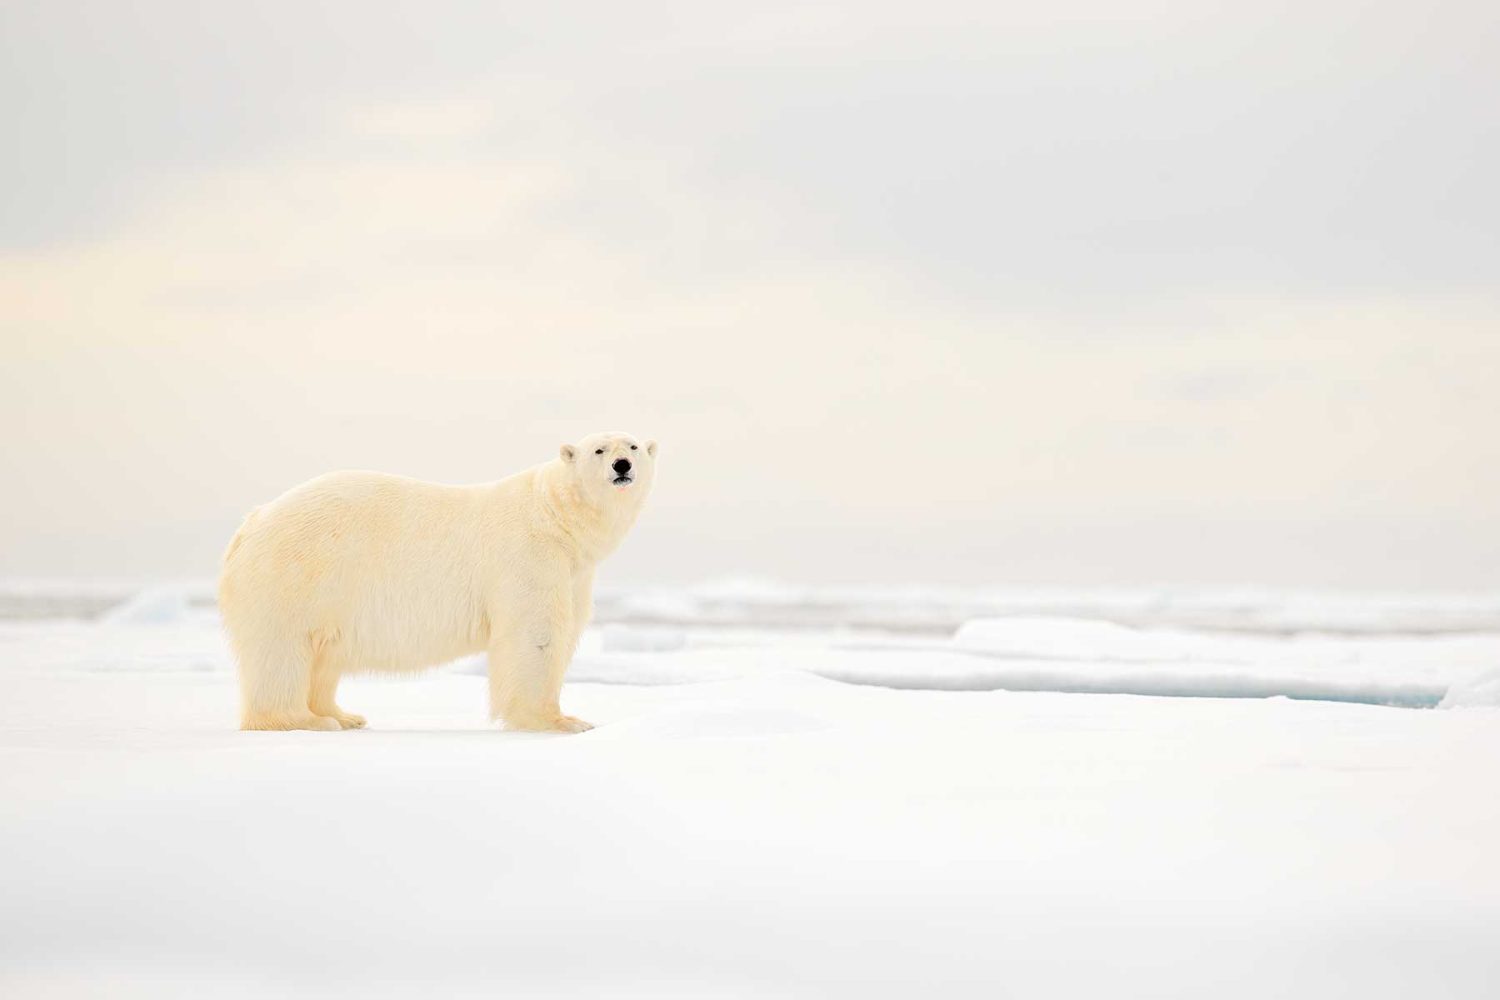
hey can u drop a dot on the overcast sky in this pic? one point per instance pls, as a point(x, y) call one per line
point(1078, 293)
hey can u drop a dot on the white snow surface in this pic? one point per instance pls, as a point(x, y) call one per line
point(964, 816)
point(1481, 689)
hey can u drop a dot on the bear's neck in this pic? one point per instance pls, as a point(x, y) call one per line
point(594, 530)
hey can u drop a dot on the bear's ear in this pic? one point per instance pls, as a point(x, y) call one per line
point(567, 452)
point(651, 448)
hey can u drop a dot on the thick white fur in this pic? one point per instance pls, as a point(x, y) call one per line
point(360, 571)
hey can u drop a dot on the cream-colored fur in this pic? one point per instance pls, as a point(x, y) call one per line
point(364, 572)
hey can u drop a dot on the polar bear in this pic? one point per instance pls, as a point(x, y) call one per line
point(365, 572)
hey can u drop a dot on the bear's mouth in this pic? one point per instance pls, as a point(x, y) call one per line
point(624, 479)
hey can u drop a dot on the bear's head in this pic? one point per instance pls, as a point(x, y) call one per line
point(611, 467)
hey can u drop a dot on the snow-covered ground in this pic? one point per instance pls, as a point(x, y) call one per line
point(790, 793)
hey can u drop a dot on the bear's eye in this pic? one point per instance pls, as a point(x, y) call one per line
point(598, 451)
point(632, 447)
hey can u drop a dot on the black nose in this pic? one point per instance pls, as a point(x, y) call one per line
point(621, 466)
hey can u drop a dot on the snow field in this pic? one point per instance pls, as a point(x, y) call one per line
point(738, 825)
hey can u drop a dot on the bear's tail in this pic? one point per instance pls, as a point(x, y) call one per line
point(239, 536)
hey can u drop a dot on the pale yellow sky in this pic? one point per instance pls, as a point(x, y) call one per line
point(899, 303)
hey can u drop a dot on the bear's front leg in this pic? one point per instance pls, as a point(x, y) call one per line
point(527, 664)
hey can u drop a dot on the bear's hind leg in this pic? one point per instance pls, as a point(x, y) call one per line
point(318, 723)
point(323, 685)
point(274, 680)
